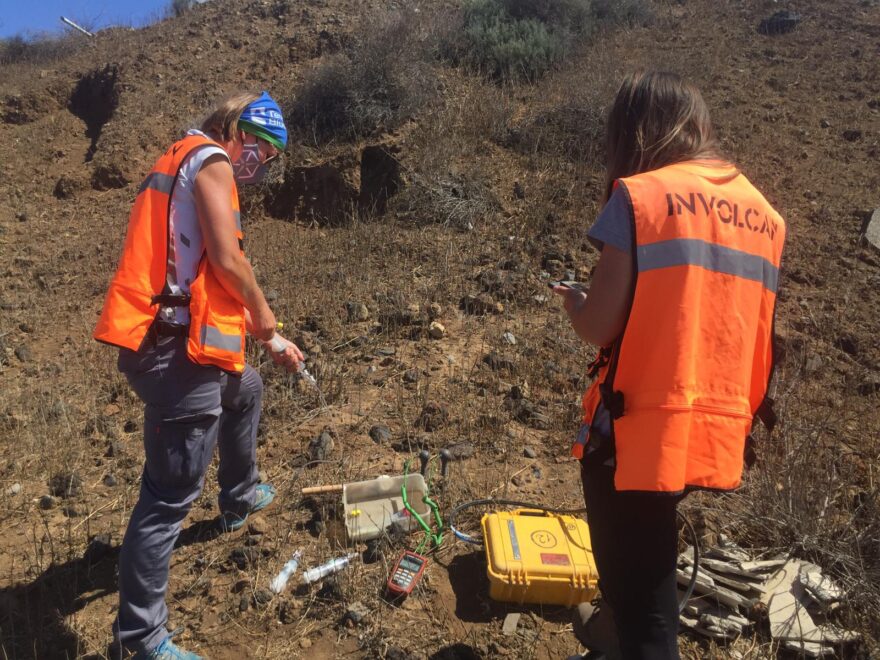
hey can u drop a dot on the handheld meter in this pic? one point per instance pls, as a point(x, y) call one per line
point(406, 574)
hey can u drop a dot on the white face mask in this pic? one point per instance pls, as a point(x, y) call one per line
point(249, 167)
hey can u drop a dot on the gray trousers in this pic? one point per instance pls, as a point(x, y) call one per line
point(188, 409)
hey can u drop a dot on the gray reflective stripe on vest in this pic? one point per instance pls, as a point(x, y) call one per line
point(212, 337)
point(717, 258)
point(158, 181)
point(237, 215)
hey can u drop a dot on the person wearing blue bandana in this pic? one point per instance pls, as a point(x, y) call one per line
point(192, 402)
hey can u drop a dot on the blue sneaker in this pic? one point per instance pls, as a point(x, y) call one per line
point(232, 522)
point(168, 650)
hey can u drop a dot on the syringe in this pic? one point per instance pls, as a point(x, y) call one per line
point(332, 566)
point(280, 581)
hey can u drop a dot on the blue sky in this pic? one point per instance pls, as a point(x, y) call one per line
point(29, 17)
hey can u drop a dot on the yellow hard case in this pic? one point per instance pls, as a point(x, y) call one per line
point(538, 557)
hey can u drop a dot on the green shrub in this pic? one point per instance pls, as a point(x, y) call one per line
point(515, 40)
point(380, 82)
point(623, 12)
point(505, 48)
point(37, 49)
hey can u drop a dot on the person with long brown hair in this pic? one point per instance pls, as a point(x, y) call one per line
point(183, 297)
point(681, 306)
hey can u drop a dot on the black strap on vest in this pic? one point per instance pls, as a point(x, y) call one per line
point(612, 400)
point(171, 300)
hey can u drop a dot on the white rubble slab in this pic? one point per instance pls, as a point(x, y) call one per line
point(872, 233)
point(740, 585)
point(782, 580)
point(729, 567)
point(809, 649)
point(830, 634)
point(705, 585)
point(819, 586)
point(789, 618)
point(763, 565)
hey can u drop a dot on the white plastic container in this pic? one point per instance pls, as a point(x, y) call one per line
point(370, 507)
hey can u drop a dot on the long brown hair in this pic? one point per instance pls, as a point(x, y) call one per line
point(657, 119)
point(223, 122)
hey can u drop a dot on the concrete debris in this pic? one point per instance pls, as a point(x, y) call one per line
point(872, 231)
point(511, 621)
point(808, 649)
point(820, 587)
point(730, 584)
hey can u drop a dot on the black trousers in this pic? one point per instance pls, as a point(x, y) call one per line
point(635, 545)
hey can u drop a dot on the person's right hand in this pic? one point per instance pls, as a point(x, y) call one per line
point(263, 323)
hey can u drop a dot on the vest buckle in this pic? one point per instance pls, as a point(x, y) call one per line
point(171, 299)
point(612, 400)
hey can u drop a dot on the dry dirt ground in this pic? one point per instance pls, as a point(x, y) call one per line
point(800, 114)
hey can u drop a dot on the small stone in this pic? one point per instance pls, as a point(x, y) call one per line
point(14, 489)
point(461, 450)
point(257, 525)
point(262, 597)
point(23, 353)
point(509, 339)
point(243, 604)
point(411, 376)
point(65, 485)
point(481, 304)
point(264, 478)
point(356, 613)
point(109, 480)
point(528, 452)
point(70, 511)
point(322, 446)
point(435, 311)
point(380, 434)
point(852, 135)
point(243, 557)
point(47, 502)
point(26, 327)
point(271, 295)
point(21, 216)
point(99, 547)
point(511, 621)
point(518, 481)
point(305, 643)
point(385, 351)
point(497, 362)
point(241, 585)
point(357, 312)
point(433, 416)
point(824, 123)
point(436, 330)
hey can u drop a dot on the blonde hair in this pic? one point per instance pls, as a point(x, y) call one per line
point(223, 122)
point(657, 119)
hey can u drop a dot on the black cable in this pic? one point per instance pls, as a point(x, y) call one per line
point(467, 538)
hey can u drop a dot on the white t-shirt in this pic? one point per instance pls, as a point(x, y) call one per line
point(187, 244)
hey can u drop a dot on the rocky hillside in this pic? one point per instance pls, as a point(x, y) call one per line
point(427, 195)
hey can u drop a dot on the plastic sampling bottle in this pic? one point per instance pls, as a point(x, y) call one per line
point(280, 581)
point(332, 566)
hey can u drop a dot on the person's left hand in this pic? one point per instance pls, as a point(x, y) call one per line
point(291, 358)
point(572, 298)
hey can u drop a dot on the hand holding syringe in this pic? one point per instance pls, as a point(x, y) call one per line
point(286, 354)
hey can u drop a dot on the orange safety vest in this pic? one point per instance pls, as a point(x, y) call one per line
point(686, 378)
point(216, 333)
